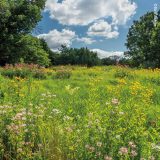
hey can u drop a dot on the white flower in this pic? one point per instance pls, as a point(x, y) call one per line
point(121, 113)
point(107, 103)
point(56, 111)
point(66, 118)
point(97, 121)
point(99, 144)
point(155, 147)
point(118, 136)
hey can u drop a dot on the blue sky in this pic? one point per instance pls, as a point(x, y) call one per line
point(100, 25)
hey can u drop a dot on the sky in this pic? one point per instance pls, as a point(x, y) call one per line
point(100, 25)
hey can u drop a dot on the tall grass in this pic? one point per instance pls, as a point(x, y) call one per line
point(101, 113)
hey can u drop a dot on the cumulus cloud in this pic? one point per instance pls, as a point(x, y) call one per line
point(103, 29)
point(104, 54)
point(56, 38)
point(84, 12)
point(86, 40)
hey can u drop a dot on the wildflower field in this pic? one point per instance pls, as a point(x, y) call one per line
point(79, 113)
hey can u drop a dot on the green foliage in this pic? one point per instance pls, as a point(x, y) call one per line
point(74, 56)
point(127, 62)
point(123, 73)
point(109, 61)
point(23, 71)
point(18, 18)
point(143, 41)
point(39, 74)
point(86, 117)
point(32, 51)
point(16, 73)
point(154, 80)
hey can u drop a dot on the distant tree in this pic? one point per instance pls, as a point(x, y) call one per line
point(17, 18)
point(127, 61)
point(143, 41)
point(108, 61)
point(75, 56)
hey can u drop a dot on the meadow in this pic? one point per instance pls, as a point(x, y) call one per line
point(79, 113)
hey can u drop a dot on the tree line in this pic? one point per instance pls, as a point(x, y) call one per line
point(18, 18)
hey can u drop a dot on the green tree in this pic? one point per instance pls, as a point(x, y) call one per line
point(32, 50)
point(17, 19)
point(75, 56)
point(108, 61)
point(143, 41)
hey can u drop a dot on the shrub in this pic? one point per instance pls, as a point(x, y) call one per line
point(11, 73)
point(39, 74)
point(32, 51)
point(63, 74)
point(24, 71)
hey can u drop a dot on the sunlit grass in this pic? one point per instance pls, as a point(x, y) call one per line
point(99, 113)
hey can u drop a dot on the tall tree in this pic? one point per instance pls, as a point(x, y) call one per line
point(17, 18)
point(143, 41)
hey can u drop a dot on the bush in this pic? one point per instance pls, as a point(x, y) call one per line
point(63, 74)
point(108, 61)
point(39, 75)
point(24, 71)
point(11, 73)
point(32, 51)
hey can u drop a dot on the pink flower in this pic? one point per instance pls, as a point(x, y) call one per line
point(19, 150)
point(98, 154)
point(115, 101)
point(123, 151)
point(151, 158)
point(132, 145)
point(91, 149)
point(133, 153)
point(107, 158)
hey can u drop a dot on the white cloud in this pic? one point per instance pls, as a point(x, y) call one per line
point(103, 29)
point(84, 12)
point(56, 38)
point(104, 54)
point(86, 40)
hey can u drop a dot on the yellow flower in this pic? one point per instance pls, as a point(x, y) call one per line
point(122, 81)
